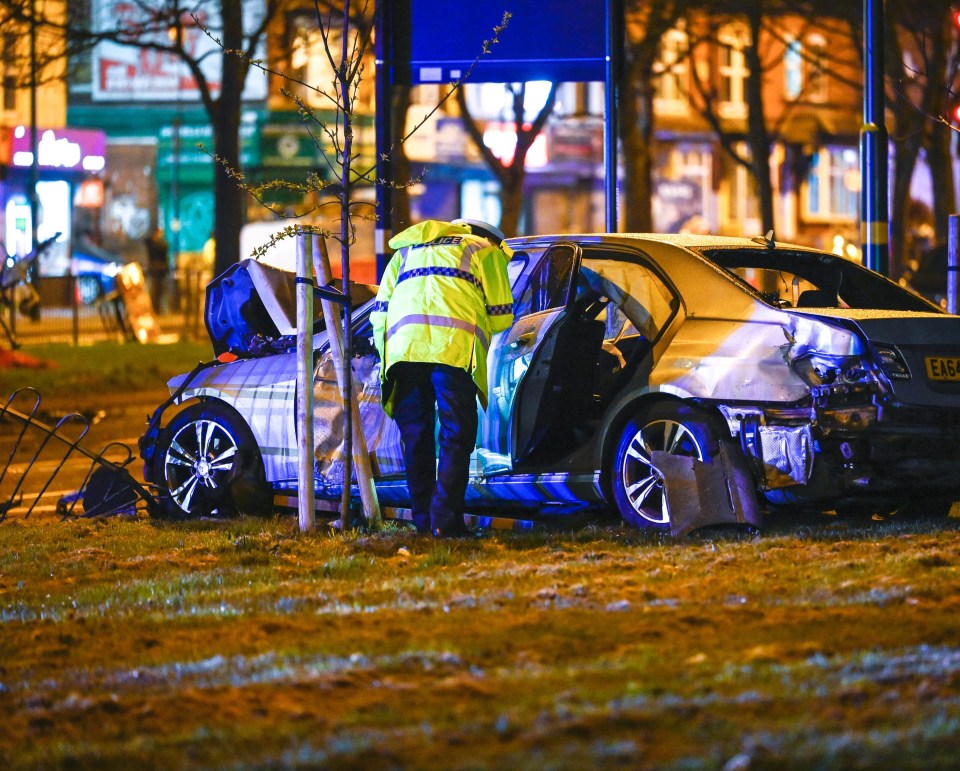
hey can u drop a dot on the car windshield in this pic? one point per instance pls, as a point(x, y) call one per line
point(801, 279)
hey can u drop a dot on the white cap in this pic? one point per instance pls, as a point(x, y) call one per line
point(482, 229)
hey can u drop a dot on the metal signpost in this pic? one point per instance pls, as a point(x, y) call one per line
point(440, 41)
point(874, 223)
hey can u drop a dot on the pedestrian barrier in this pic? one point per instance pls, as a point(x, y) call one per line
point(41, 456)
point(80, 310)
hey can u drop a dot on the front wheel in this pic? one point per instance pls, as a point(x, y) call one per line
point(637, 484)
point(208, 462)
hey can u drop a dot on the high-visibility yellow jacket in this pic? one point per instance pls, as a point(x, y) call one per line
point(443, 295)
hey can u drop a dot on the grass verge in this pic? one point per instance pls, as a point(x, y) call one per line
point(103, 368)
point(823, 643)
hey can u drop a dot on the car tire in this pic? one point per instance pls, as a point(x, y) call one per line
point(637, 485)
point(208, 463)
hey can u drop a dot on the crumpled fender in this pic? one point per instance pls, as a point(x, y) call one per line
point(747, 359)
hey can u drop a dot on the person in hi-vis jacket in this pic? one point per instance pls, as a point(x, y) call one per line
point(443, 295)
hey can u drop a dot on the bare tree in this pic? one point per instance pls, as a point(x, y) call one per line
point(646, 23)
point(511, 174)
point(158, 25)
point(751, 145)
point(922, 60)
point(345, 29)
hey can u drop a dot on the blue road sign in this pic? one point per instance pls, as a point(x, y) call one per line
point(556, 40)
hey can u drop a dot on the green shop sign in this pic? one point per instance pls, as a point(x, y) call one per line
point(178, 152)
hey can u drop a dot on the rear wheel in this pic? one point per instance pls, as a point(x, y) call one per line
point(208, 462)
point(637, 484)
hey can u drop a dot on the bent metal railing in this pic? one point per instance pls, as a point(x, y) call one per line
point(40, 454)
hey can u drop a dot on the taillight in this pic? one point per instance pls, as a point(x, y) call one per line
point(892, 363)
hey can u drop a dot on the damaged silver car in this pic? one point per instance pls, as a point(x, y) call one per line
point(678, 380)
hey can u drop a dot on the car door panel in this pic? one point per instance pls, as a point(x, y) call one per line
point(542, 294)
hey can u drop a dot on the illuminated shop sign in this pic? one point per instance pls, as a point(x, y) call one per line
point(147, 73)
point(68, 149)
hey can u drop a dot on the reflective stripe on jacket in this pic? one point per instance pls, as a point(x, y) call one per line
point(444, 294)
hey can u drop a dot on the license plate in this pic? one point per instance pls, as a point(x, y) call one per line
point(942, 367)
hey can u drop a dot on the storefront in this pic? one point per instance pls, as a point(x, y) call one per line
point(69, 174)
point(184, 178)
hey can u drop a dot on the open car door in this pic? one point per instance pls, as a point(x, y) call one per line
point(546, 351)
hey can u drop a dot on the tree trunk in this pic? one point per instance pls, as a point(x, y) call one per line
point(905, 148)
point(757, 134)
point(906, 138)
point(511, 198)
point(942, 67)
point(636, 136)
point(511, 177)
point(228, 198)
point(399, 215)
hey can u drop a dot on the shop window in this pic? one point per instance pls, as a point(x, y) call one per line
point(832, 189)
point(480, 200)
point(683, 189)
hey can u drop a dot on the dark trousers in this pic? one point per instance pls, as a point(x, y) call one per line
point(422, 392)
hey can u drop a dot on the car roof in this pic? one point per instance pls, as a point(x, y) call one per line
point(705, 288)
point(685, 240)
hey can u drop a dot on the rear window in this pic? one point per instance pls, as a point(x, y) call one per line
point(801, 279)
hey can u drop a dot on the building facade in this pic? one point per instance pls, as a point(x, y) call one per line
point(39, 150)
point(810, 98)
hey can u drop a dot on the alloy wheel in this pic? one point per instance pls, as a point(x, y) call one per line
point(198, 461)
point(642, 482)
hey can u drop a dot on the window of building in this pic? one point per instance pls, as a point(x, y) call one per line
point(480, 200)
point(793, 69)
point(740, 206)
point(732, 71)
point(494, 101)
point(816, 86)
point(832, 189)
point(671, 72)
point(311, 63)
point(742, 203)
